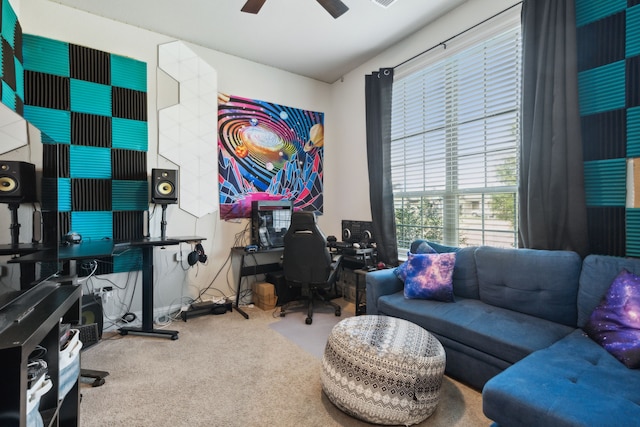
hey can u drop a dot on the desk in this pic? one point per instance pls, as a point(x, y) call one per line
point(356, 258)
point(105, 248)
point(147, 246)
point(27, 270)
point(252, 270)
point(361, 274)
point(359, 261)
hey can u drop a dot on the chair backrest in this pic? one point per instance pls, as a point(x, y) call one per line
point(306, 257)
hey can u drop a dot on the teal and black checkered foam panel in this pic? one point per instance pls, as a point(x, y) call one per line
point(11, 72)
point(601, 220)
point(608, 36)
point(92, 106)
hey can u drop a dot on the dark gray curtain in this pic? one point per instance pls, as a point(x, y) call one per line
point(552, 198)
point(378, 87)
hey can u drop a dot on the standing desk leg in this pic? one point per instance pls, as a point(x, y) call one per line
point(238, 309)
point(147, 301)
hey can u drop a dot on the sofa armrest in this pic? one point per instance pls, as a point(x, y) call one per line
point(379, 283)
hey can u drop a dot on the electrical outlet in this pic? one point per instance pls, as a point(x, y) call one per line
point(178, 256)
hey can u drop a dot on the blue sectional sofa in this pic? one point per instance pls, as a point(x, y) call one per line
point(514, 331)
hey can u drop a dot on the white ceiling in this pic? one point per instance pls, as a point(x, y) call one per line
point(293, 35)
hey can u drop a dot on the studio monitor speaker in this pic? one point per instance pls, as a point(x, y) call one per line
point(164, 186)
point(92, 311)
point(357, 232)
point(17, 182)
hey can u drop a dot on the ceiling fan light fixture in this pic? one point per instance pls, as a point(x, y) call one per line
point(253, 6)
point(335, 7)
point(384, 3)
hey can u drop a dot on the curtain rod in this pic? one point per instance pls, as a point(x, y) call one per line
point(444, 43)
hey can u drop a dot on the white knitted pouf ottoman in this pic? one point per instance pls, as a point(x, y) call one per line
point(383, 370)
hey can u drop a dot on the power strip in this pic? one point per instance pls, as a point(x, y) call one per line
point(202, 308)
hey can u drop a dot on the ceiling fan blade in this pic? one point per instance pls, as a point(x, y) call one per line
point(252, 6)
point(334, 7)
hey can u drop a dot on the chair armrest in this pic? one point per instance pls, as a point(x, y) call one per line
point(379, 283)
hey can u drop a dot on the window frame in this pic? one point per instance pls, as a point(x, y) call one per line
point(449, 197)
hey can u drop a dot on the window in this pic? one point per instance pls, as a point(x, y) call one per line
point(455, 135)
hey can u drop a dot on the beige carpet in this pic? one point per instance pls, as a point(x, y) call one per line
point(225, 370)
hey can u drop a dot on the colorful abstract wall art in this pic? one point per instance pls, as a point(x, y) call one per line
point(268, 151)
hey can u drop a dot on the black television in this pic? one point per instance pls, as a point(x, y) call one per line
point(32, 266)
point(270, 220)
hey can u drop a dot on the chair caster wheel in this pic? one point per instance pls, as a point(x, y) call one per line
point(338, 313)
point(174, 337)
point(282, 314)
point(121, 332)
point(308, 320)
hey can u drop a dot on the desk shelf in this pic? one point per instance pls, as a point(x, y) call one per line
point(253, 269)
point(18, 341)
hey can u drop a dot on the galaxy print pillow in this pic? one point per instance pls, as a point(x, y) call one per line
point(615, 323)
point(429, 276)
point(423, 248)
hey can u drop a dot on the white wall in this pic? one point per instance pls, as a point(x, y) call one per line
point(346, 189)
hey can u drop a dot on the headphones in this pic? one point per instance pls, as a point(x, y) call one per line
point(197, 255)
point(72, 238)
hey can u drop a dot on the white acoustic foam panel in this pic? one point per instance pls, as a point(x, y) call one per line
point(13, 130)
point(188, 130)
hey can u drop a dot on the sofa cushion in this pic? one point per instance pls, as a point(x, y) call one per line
point(537, 282)
point(615, 323)
point(504, 334)
point(465, 278)
point(598, 271)
point(575, 382)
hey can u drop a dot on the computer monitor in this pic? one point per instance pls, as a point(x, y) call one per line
point(270, 220)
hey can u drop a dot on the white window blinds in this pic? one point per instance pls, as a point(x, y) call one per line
point(455, 137)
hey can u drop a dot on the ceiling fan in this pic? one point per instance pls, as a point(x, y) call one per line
point(334, 7)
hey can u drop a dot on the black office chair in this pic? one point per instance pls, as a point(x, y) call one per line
point(307, 263)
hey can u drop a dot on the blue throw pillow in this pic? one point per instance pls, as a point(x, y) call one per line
point(429, 276)
point(425, 248)
point(401, 270)
point(615, 323)
point(422, 248)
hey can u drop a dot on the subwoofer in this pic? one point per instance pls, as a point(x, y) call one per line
point(164, 186)
point(92, 311)
point(17, 182)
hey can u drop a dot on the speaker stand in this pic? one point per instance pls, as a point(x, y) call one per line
point(163, 223)
point(15, 226)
